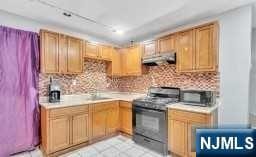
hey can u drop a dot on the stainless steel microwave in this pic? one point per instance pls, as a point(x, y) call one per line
point(198, 97)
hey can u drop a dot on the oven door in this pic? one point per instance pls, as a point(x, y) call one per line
point(150, 123)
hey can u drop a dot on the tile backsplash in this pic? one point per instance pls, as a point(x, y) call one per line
point(94, 78)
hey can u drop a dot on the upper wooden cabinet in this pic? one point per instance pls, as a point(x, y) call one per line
point(114, 68)
point(198, 49)
point(74, 55)
point(132, 61)
point(60, 53)
point(129, 63)
point(149, 48)
point(205, 48)
point(91, 50)
point(185, 61)
point(105, 52)
point(49, 56)
point(96, 51)
point(166, 44)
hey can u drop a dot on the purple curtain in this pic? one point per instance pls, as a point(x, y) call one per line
point(19, 109)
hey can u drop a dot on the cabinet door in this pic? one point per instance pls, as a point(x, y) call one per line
point(80, 128)
point(177, 137)
point(124, 61)
point(205, 49)
point(185, 59)
point(133, 61)
point(75, 55)
point(125, 114)
point(99, 123)
point(59, 133)
point(49, 52)
point(63, 53)
point(149, 48)
point(167, 44)
point(114, 68)
point(91, 50)
point(106, 52)
point(113, 119)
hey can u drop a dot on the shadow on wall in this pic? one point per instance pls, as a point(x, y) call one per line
point(252, 99)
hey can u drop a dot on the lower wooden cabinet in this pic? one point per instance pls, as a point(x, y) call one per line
point(125, 117)
point(67, 128)
point(99, 123)
point(59, 133)
point(62, 128)
point(113, 119)
point(105, 119)
point(180, 135)
point(177, 138)
point(80, 128)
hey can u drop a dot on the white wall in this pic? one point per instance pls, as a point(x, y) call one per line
point(234, 66)
point(19, 22)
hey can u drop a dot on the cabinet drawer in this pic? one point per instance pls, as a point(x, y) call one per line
point(68, 111)
point(104, 105)
point(125, 104)
point(187, 116)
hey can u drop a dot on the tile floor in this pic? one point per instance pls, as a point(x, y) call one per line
point(118, 146)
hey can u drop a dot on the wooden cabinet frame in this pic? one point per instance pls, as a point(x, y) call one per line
point(59, 56)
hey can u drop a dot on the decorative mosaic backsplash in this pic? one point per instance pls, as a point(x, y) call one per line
point(165, 75)
point(94, 78)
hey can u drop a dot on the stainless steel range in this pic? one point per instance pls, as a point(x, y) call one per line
point(150, 118)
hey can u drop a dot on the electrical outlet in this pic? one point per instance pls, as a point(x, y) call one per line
point(74, 82)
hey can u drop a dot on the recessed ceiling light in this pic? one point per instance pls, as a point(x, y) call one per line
point(119, 32)
point(67, 14)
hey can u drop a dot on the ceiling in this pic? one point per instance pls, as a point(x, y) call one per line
point(138, 19)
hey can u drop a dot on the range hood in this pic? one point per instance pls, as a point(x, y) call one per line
point(161, 58)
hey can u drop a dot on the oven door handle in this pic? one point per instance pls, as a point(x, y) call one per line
point(140, 109)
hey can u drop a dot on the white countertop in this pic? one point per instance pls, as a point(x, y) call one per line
point(73, 100)
point(197, 109)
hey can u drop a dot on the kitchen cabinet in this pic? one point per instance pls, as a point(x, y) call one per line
point(205, 48)
point(180, 124)
point(126, 117)
point(60, 53)
point(131, 59)
point(113, 118)
point(177, 139)
point(185, 58)
point(97, 51)
point(59, 134)
point(75, 55)
point(80, 128)
point(62, 128)
point(149, 48)
point(105, 119)
point(99, 122)
point(91, 50)
point(105, 52)
point(69, 128)
point(167, 44)
point(49, 56)
point(198, 49)
point(114, 68)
